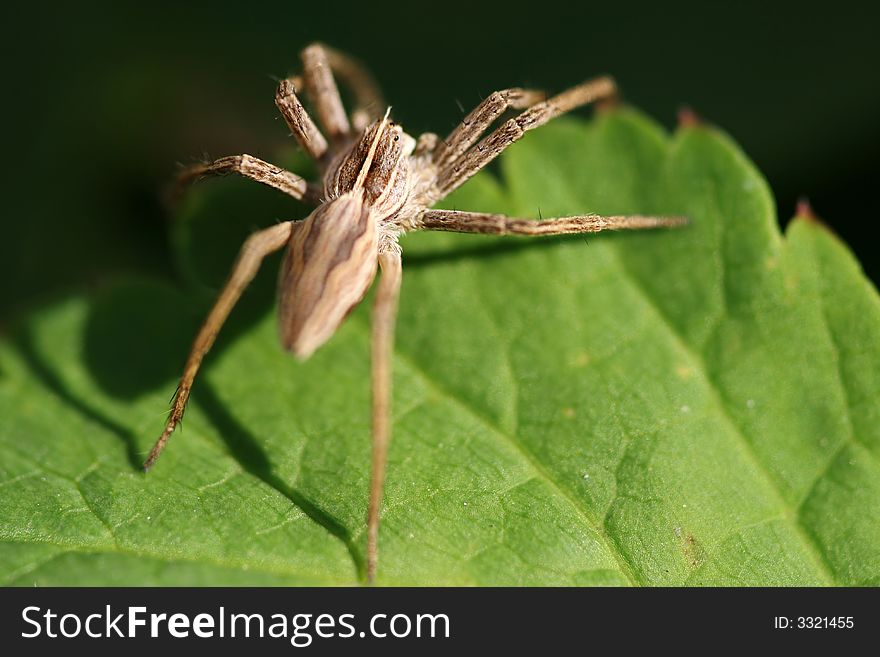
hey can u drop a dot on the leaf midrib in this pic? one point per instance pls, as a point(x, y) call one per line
point(792, 518)
point(525, 454)
point(744, 444)
point(627, 569)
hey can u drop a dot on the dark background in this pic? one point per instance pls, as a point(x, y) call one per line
point(102, 100)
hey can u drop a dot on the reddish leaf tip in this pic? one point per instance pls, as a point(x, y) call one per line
point(609, 104)
point(688, 118)
point(804, 210)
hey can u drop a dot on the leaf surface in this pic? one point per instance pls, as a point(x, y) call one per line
point(696, 406)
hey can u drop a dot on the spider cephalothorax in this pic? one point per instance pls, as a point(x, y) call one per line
point(375, 182)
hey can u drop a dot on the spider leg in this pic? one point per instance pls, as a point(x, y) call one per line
point(499, 224)
point(322, 89)
point(247, 166)
point(384, 314)
point(255, 248)
point(453, 173)
point(426, 144)
point(479, 120)
point(298, 120)
point(369, 104)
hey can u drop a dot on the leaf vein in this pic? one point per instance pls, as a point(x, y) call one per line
point(745, 444)
point(525, 454)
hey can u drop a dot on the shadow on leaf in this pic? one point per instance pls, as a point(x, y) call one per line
point(490, 248)
point(137, 337)
point(247, 450)
point(24, 343)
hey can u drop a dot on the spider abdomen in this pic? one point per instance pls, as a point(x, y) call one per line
point(329, 265)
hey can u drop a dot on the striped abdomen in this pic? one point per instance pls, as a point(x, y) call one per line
point(329, 265)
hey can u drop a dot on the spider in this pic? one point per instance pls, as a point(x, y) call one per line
point(376, 182)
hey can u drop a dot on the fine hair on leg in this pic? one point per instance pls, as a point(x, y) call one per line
point(244, 165)
point(298, 120)
point(483, 223)
point(384, 315)
point(480, 118)
point(255, 248)
point(368, 102)
point(455, 172)
point(324, 93)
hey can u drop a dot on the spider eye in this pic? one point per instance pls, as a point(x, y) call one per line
point(396, 137)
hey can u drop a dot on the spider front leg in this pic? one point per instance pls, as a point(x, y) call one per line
point(298, 120)
point(247, 166)
point(322, 89)
point(369, 104)
point(384, 315)
point(454, 172)
point(257, 247)
point(499, 224)
point(479, 120)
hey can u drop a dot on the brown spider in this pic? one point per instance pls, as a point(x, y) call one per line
point(376, 182)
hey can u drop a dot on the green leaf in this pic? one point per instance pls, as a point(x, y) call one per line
point(696, 406)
